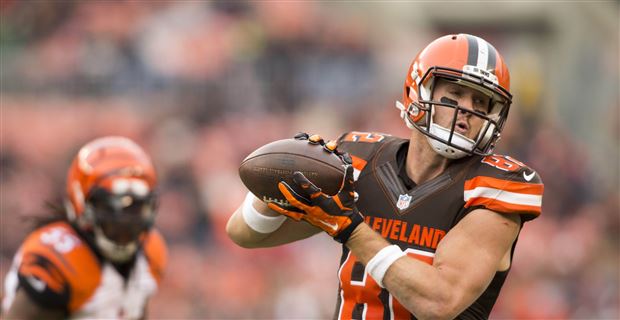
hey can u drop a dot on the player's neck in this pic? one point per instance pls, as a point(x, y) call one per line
point(423, 163)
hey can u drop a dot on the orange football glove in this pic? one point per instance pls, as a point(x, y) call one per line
point(337, 215)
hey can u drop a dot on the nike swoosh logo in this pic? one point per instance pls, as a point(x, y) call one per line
point(332, 226)
point(528, 177)
point(36, 283)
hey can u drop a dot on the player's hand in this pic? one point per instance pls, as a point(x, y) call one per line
point(330, 146)
point(337, 215)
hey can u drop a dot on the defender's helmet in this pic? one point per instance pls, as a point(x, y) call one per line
point(467, 60)
point(111, 195)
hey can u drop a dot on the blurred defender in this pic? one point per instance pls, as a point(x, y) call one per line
point(433, 231)
point(105, 259)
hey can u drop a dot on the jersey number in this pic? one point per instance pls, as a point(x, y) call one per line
point(58, 238)
point(505, 163)
point(362, 298)
point(368, 137)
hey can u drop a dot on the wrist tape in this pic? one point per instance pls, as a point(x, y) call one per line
point(258, 221)
point(379, 264)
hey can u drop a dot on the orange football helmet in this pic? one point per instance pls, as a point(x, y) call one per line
point(111, 195)
point(467, 60)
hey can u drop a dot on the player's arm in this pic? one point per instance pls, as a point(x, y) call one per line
point(245, 236)
point(23, 307)
point(465, 262)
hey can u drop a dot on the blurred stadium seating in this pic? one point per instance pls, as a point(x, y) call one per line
point(202, 84)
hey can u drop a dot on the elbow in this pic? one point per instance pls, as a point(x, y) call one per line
point(242, 243)
point(236, 236)
point(239, 235)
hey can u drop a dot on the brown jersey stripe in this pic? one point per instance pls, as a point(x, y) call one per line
point(390, 180)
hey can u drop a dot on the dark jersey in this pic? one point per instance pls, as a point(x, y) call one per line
point(417, 217)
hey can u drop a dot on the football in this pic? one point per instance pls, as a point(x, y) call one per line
point(262, 169)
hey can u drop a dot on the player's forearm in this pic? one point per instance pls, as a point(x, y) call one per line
point(420, 288)
point(241, 234)
point(424, 290)
point(265, 228)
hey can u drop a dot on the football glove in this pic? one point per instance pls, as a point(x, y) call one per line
point(329, 146)
point(337, 215)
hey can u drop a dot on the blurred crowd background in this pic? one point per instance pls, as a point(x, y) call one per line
point(201, 84)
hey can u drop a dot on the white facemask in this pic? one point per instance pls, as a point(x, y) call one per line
point(113, 251)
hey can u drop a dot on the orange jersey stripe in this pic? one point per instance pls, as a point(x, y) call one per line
point(53, 282)
point(358, 166)
point(358, 163)
point(506, 185)
point(503, 195)
point(501, 206)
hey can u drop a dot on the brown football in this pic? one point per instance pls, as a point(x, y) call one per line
point(276, 161)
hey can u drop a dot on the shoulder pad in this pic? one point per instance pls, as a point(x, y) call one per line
point(57, 264)
point(156, 253)
point(505, 185)
point(363, 146)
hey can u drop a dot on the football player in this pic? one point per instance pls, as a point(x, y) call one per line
point(104, 259)
point(429, 224)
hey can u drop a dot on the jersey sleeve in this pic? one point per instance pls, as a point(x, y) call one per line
point(504, 185)
point(57, 269)
point(43, 280)
point(362, 146)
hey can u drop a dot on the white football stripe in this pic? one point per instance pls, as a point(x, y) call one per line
point(483, 54)
point(505, 196)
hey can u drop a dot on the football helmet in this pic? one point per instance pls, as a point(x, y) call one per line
point(466, 60)
point(111, 195)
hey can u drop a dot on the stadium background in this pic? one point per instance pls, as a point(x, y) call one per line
point(202, 84)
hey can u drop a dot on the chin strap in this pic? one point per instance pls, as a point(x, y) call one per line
point(443, 148)
point(404, 113)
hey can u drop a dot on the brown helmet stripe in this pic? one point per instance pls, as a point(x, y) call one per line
point(472, 50)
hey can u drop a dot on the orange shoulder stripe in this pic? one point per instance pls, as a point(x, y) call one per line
point(506, 185)
point(503, 195)
point(504, 207)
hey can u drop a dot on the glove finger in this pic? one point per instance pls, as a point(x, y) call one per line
point(293, 197)
point(301, 136)
point(330, 146)
point(309, 189)
point(348, 181)
point(291, 214)
point(316, 139)
point(346, 157)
